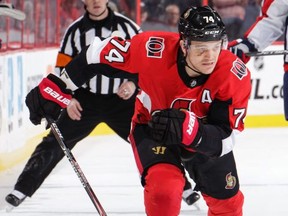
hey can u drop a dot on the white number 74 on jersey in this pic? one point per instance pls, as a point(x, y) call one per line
point(114, 54)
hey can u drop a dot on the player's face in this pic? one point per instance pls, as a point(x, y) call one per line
point(97, 9)
point(203, 56)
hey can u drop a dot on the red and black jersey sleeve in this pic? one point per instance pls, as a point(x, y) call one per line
point(110, 57)
point(223, 104)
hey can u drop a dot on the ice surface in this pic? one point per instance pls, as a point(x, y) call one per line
point(108, 164)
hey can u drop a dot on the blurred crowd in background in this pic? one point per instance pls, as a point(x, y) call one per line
point(238, 15)
point(46, 20)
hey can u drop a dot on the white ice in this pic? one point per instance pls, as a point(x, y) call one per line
point(108, 164)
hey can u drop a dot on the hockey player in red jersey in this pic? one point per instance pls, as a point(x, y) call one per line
point(191, 106)
point(269, 26)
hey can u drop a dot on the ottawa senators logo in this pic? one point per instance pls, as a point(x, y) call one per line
point(231, 181)
point(239, 69)
point(182, 103)
point(155, 47)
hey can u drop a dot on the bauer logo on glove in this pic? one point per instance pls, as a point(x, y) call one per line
point(51, 91)
point(47, 99)
point(190, 128)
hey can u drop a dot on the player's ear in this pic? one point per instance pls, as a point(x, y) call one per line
point(183, 47)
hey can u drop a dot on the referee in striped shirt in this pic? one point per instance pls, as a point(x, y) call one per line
point(102, 99)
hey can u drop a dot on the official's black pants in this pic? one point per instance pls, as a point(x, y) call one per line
point(111, 109)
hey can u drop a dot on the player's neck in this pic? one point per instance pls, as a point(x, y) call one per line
point(191, 73)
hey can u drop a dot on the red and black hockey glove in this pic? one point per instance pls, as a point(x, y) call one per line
point(47, 99)
point(240, 47)
point(172, 127)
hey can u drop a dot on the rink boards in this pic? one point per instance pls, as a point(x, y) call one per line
point(21, 71)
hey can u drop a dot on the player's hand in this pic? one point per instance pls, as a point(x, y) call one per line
point(126, 90)
point(240, 47)
point(47, 99)
point(172, 127)
point(74, 109)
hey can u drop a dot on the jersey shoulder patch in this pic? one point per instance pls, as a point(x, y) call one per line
point(239, 69)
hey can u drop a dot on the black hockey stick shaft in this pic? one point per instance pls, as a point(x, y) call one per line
point(76, 167)
point(268, 53)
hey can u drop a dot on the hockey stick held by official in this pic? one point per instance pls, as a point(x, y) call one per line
point(75, 166)
point(268, 53)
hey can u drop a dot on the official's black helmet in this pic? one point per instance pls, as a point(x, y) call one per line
point(201, 24)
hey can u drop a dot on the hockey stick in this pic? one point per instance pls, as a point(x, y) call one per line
point(76, 167)
point(268, 53)
point(285, 81)
point(7, 9)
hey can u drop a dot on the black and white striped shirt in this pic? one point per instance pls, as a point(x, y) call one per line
point(81, 33)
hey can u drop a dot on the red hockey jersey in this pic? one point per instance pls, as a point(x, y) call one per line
point(219, 99)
